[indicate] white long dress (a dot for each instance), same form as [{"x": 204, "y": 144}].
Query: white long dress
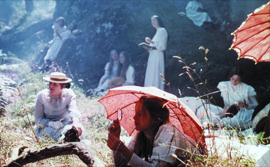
[
  {"x": 197, "y": 17},
  {"x": 155, "y": 65},
  {"x": 57, "y": 44},
  {"x": 205, "y": 112},
  {"x": 107, "y": 76}
]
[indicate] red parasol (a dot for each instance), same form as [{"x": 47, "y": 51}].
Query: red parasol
[
  {"x": 252, "y": 38},
  {"x": 120, "y": 104}
]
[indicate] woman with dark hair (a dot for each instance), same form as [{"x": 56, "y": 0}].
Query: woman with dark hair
[
  {"x": 110, "y": 72},
  {"x": 244, "y": 96},
  {"x": 156, "y": 139},
  {"x": 158, "y": 44},
  {"x": 125, "y": 72},
  {"x": 56, "y": 112}
]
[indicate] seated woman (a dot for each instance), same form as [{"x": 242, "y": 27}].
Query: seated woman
[
  {"x": 125, "y": 72},
  {"x": 197, "y": 14},
  {"x": 55, "y": 47},
  {"x": 155, "y": 141},
  {"x": 58, "y": 28},
  {"x": 244, "y": 96},
  {"x": 233, "y": 92},
  {"x": 110, "y": 72},
  {"x": 56, "y": 111}
]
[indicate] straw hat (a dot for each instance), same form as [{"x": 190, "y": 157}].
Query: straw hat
[{"x": 57, "y": 77}]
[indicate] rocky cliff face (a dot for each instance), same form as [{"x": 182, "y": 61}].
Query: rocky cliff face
[{"x": 122, "y": 25}]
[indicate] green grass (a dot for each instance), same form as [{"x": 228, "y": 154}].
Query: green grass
[{"x": 15, "y": 129}]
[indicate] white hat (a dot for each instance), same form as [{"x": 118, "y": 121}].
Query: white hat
[{"x": 57, "y": 77}]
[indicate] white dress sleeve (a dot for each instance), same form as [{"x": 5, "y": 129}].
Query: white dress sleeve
[
  {"x": 39, "y": 112},
  {"x": 223, "y": 87},
  {"x": 72, "y": 107},
  {"x": 107, "y": 73},
  {"x": 65, "y": 35},
  {"x": 160, "y": 41},
  {"x": 251, "y": 100},
  {"x": 130, "y": 76}
]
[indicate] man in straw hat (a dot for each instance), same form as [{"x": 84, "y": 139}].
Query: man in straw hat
[{"x": 56, "y": 112}]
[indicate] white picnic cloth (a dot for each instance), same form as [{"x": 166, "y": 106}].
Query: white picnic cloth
[{"x": 224, "y": 147}]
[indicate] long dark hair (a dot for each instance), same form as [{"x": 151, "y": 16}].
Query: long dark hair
[
  {"x": 160, "y": 22},
  {"x": 122, "y": 68},
  {"x": 111, "y": 61},
  {"x": 159, "y": 115},
  {"x": 236, "y": 70}
]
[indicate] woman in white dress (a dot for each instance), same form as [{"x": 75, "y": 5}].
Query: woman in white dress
[
  {"x": 125, "y": 72},
  {"x": 196, "y": 13},
  {"x": 155, "y": 65},
  {"x": 57, "y": 42},
  {"x": 110, "y": 72},
  {"x": 56, "y": 111},
  {"x": 235, "y": 92},
  {"x": 155, "y": 141}
]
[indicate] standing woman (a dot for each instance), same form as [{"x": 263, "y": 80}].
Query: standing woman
[
  {"x": 155, "y": 65},
  {"x": 110, "y": 72}
]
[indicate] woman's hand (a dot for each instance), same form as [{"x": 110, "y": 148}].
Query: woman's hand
[
  {"x": 117, "y": 145},
  {"x": 78, "y": 128},
  {"x": 113, "y": 142},
  {"x": 146, "y": 48},
  {"x": 242, "y": 104},
  {"x": 148, "y": 40},
  {"x": 223, "y": 113},
  {"x": 55, "y": 124},
  {"x": 76, "y": 124},
  {"x": 115, "y": 128}
]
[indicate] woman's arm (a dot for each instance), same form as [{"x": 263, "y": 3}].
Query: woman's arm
[
  {"x": 129, "y": 76},
  {"x": 65, "y": 35},
  {"x": 107, "y": 72},
  {"x": 74, "y": 112},
  {"x": 252, "y": 102},
  {"x": 161, "y": 40},
  {"x": 39, "y": 113}
]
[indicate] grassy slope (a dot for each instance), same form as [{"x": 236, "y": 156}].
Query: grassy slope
[{"x": 15, "y": 129}]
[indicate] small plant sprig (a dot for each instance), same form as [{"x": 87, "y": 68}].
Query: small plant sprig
[
  {"x": 25, "y": 109},
  {"x": 205, "y": 57},
  {"x": 188, "y": 72},
  {"x": 165, "y": 82}
]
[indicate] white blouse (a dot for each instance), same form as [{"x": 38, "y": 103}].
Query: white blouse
[
  {"x": 167, "y": 141},
  {"x": 130, "y": 76},
  {"x": 232, "y": 94}
]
